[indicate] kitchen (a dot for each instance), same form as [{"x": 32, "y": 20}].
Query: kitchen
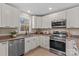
[{"x": 39, "y": 29}]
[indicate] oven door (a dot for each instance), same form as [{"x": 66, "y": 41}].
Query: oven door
[{"x": 57, "y": 45}]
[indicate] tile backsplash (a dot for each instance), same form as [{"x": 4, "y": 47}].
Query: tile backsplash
[
  {"x": 6, "y": 30},
  {"x": 72, "y": 31}
]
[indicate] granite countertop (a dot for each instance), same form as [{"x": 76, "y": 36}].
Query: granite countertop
[{"x": 22, "y": 36}]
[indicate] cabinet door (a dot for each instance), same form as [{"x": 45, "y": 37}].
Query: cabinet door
[
  {"x": 9, "y": 16},
  {"x": 3, "y": 48},
  {"x": 46, "y": 22},
  {"x": 5, "y": 15},
  {"x": 40, "y": 40},
  {"x": 0, "y": 16},
  {"x": 33, "y": 22},
  {"x": 27, "y": 45},
  {"x": 37, "y": 41},
  {"x": 15, "y": 17},
  {"x": 33, "y": 43},
  {"x": 45, "y": 42},
  {"x": 73, "y": 18},
  {"x": 37, "y": 22}
]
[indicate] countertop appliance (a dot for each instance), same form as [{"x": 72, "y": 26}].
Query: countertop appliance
[
  {"x": 58, "y": 42},
  {"x": 59, "y": 24},
  {"x": 16, "y": 47}
]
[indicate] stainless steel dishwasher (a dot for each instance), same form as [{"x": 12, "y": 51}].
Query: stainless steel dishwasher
[{"x": 16, "y": 47}]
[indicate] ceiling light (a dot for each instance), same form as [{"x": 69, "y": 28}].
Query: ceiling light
[
  {"x": 50, "y": 8},
  {"x": 28, "y": 11}
]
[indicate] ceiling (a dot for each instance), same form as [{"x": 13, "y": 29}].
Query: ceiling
[{"x": 43, "y": 8}]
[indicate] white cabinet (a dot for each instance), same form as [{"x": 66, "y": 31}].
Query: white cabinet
[
  {"x": 46, "y": 22},
  {"x": 10, "y": 16},
  {"x": 15, "y": 17},
  {"x": 36, "y": 22},
  {"x": 4, "y": 48},
  {"x": 27, "y": 45},
  {"x": 0, "y": 16},
  {"x": 30, "y": 43},
  {"x": 6, "y": 15},
  {"x": 59, "y": 16},
  {"x": 44, "y": 42},
  {"x": 39, "y": 22},
  {"x": 73, "y": 18},
  {"x": 33, "y": 42}
]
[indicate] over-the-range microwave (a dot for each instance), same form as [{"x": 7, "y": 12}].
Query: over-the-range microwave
[{"x": 58, "y": 24}]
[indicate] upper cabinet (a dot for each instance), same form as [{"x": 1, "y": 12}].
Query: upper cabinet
[
  {"x": 73, "y": 18},
  {"x": 48, "y": 19},
  {"x": 46, "y": 22},
  {"x": 0, "y": 16},
  {"x": 36, "y": 22},
  {"x": 58, "y": 16},
  {"x": 10, "y": 16}
]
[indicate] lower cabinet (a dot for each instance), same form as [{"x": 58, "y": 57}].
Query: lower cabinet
[
  {"x": 30, "y": 43},
  {"x": 20, "y": 46},
  {"x": 33, "y": 42},
  {"x": 44, "y": 42},
  {"x": 27, "y": 45},
  {"x": 4, "y": 48}
]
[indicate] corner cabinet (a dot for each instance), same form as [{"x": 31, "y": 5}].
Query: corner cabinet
[
  {"x": 73, "y": 18},
  {"x": 46, "y": 22},
  {"x": 30, "y": 43},
  {"x": 36, "y": 22},
  {"x": 44, "y": 42},
  {"x": 4, "y": 48}
]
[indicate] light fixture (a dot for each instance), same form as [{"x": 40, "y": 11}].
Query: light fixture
[
  {"x": 28, "y": 11},
  {"x": 50, "y": 8}
]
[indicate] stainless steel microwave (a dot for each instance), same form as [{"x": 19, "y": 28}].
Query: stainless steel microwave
[{"x": 61, "y": 24}]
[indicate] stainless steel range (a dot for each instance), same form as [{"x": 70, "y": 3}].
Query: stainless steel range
[{"x": 58, "y": 42}]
